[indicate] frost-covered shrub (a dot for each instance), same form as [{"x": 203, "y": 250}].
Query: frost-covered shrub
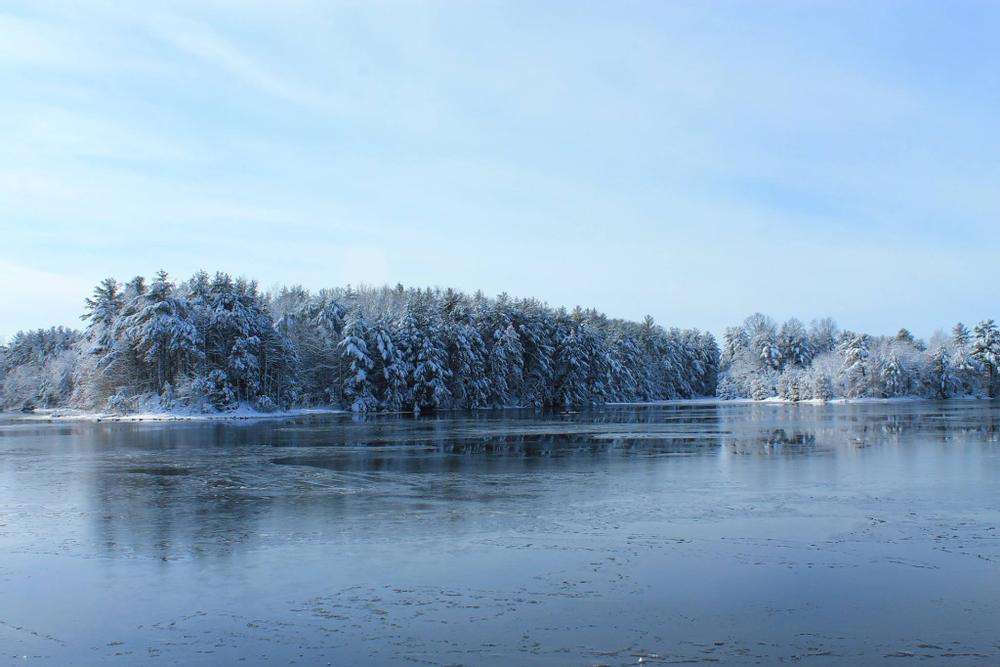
[
  {"x": 762, "y": 387},
  {"x": 822, "y": 387},
  {"x": 44, "y": 380},
  {"x": 728, "y": 388},
  {"x": 795, "y": 384},
  {"x": 188, "y": 393},
  {"x": 122, "y": 402},
  {"x": 168, "y": 397},
  {"x": 265, "y": 404},
  {"x": 787, "y": 386},
  {"x": 217, "y": 390}
]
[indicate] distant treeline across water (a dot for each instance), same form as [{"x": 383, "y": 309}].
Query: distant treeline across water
[{"x": 214, "y": 343}]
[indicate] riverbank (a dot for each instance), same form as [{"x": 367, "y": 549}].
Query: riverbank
[{"x": 242, "y": 413}]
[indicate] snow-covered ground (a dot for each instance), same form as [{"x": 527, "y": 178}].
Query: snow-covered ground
[
  {"x": 245, "y": 412},
  {"x": 777, "y": 400},
  {"x": 242, "y": 413}
]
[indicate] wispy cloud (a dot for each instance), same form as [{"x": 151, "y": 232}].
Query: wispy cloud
[
  {"x": 660, "y": 157},
  {"x": 213, "y": 49}
]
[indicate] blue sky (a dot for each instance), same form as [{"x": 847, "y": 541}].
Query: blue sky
[{"x": 697, "y": 161}]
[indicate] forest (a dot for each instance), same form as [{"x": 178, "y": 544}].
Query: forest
[{"x": 215, "y": 343}]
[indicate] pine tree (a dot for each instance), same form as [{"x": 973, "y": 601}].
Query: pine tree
[
  {"x": 426, "y": 357},
  {"x": 357, "y": 388},
  {"x": 571, "y": 370},
  {"x": 394, "y": 369},
  {"x": 855, "y": 352},
  {"x": 943, "y": 381},
  {"x": 709, "y": 354},
  {"x": 467, "y": 356},
  {"x": 986, "y": 350},
  {"x": 960, "y": 335},
  {"x": 622, "y": 361},
  {"x": 763, "y": 337},
  {"x": 893, "y": 376},
  {"x": 735, "y": 342},
  {"x": 506, "y": 359},
  {"x": 101, "y": 312},
  {"x": 793, "y": 345},
  {"x": 537, "y": 341},
  {"x": 161, "y": 332}
]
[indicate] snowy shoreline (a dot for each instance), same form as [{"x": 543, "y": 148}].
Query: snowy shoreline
[
  {"x": 777, "y": 400},
  {"x": 242, "y": 414},
  {"x": 249, "y": 414}
]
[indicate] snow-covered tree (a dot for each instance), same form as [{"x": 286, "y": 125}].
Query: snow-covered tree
[
  {"x": 358, "y": 390},
  {"x": 960, "y": 335},
  {"x": 571, "y": 368},
  {"x": 763, "y": 336},
  {"x": 855, "y": 352},
  {"x": 793, "y": 344},
  {"x": 506, "y": 366},
  {"x": 536, "y": 332},
  {"x": 427, "y": 357},
  {"x": 392, "y": 368},
  {"x": 822, "y": 336},
  {"x": 943, "y": 381},
  {"x": 893, "y": 376},
  {"x": 37, "y": 368},
  {"x": 214, "y": 341},
  {"x": 102, "y": 310},
  {"x": 162, "y": 333},
  {"x": 467, "y": 358},
  {"x": 986, "y": 350}
]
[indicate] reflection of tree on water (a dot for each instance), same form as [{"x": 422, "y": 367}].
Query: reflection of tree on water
[
  {"x": 804, "y": 429},
  {"x": 211, "y": 490},
  {"x": 774, "y": 442}
]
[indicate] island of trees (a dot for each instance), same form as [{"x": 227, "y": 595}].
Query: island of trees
[{"x": 215, "y": 343}]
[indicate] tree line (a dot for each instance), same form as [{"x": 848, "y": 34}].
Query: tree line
[{"x": 213, "y": 342}]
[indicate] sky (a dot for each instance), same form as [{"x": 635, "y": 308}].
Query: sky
[{"x": 696, "y": 161}]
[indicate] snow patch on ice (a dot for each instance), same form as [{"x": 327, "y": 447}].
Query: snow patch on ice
[{"x": 244, "y": 412}]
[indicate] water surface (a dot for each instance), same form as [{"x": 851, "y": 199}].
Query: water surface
[{"x": 697, "y": 532}]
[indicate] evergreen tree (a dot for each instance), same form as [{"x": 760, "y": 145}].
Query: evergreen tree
[
  {"x": 793, "y": 345},
  {"x": 506, "y": 359},
  {"x": 855, "y": 354},
  {"x": 162, "y": 334},
  {"x": 894, "y": 377},
  {"x": 943, "y": 381},
  {"x": 763, "y": 337},
  {"x": 960, "y": 335},
  {"x": 102, "y": 310},
  {"x": 427, "y": 358},
  {"x": 986, "y": 350},
  {"x": 469, "y": 386},
  {"x": 358, "y": 392},
  {"x": 393, "y": 367},
  {"x": 537, "y": 342},
  {"x": 571, "y": 369}
]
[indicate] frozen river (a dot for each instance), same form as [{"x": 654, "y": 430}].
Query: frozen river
[{"x": 728, "y": 533}]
